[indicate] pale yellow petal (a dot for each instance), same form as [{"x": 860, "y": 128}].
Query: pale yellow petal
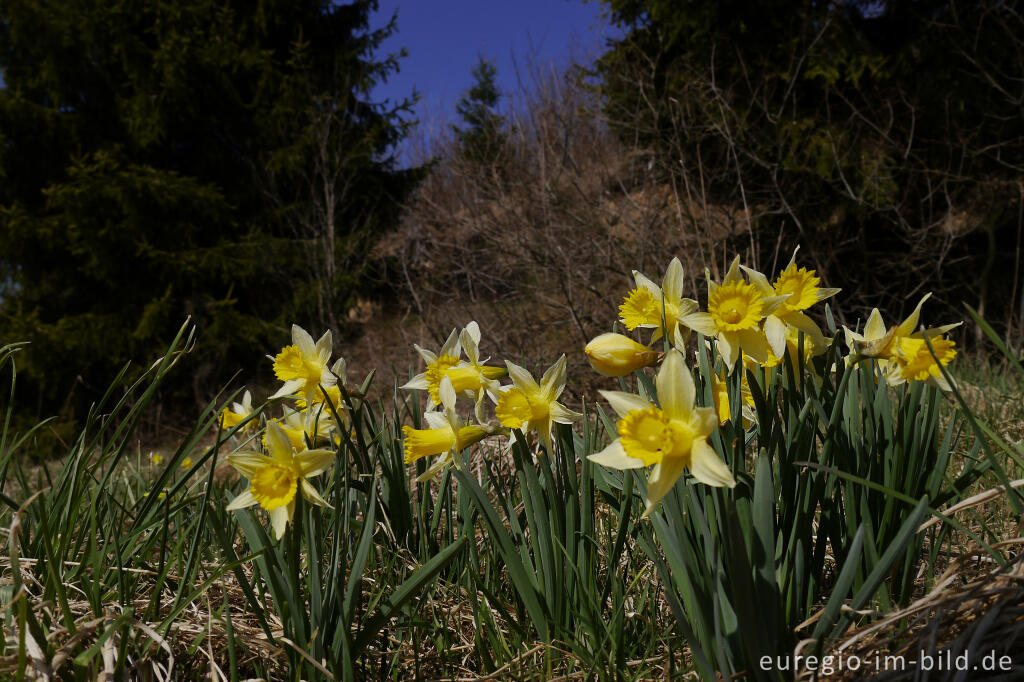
[
  {"x": 623, "y": 403},
  {"x": 278, "y": 445},
  {"x": 663, "y": 476},
  {"x": 241, "y": 501},
  {"x": 248, "y": 463},
  {"x": 673, "y": 283},
  {"x": 615, "y": 457},
  {"x": 279, "y": 518},
  {"x": 707, "y": 467},
  {"x": 675, "y": 387},
  {"x": 522, "y": 378},
  {"x": 875, "y": 326},
  {"x": 760, "y": 282},
  {"x": 909, "y": 325},
  {"x": 310, "y": 493},
  {"x": 314, "y": 462},
  {"x": 702, "y": 323},
  {"x": 553, "y": 382}
]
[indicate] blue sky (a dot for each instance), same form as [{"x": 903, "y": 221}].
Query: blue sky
[{"x": 445, "y": 38}]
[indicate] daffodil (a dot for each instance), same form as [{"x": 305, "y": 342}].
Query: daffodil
[
  {"x": 645, "y": 303},
  {"x": 446, "y": 436},
  {"x": 616, "y": 355},
  {"x": 902, "y": 353},
  {"x": 737, "y": 309},
  {"x": 237, "y": 413},
  {"x": 799, "y": 289},
  {"x": 529, "y": 405},
  {"x": 472, "y": 377},
  {"x": 672, "y": 437},
  {"x": 723, "y": 407},
  {"x": 275, "y": 478},
  {"x": 312, "y": 425},
  {"x": 302, "y": 366}
]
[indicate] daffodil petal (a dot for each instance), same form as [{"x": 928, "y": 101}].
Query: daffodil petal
[
  {"x": 289, "y": 387},
  {"x": 314, "y": 462},
  {"x": 278, "y": 444},
  {"x": 561, "y": 414},
  {"x": 643, "y": 281},
  {"x": 451, "y": 345},
  {"x": 675, "y": 386},
  {"x": 324, "y": 346},
  {"x": 826, "y": 292},
  {"x": 279, "y": 518},
  {"x": 302, "y": 339},
  {"x": 553, "y": 382},
  {"x": 447, "y": 393},
  {"x": 707, "y": 467},
  {"x": 615, "y": 457},
  {"x": 242, "y": 500},
  {"x": 775, "y": 333},
  {"x": 310, "y": 493},
  {"x": 418, "y": 383},
  {"x": 623, "y": 403},
  {"x": 874, "y": 328},
  {"x": 700, "y": 322},
  {"x": 521, "y": 378},
  {"x": 673, "y": 283},
  {"x": 663, "y": 476},
  {"x": 248, "y": 463},
  {"x": 429, "y": 356},
  {"x": 759, "y": 281},
  {"x": 907, "y": 326}
]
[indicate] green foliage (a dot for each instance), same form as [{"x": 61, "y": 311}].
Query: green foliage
[
  {"x": 155, "y": 157},
  {"x": 874, "y": 134},
  {"x": 481, "y": 137}
]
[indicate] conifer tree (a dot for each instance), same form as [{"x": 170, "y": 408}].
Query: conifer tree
[{"x": 151, "y": 156}]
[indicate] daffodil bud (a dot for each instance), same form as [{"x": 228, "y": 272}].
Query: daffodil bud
[{"x": 615, "y": 355}]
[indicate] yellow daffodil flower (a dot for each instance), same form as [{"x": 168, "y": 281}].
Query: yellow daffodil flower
[
  {"x": 643, "y": 307},
  {"x": 274, "y": 479},
  {"x": 302, "y": 366},
  {"x": 720, "y": 393},
  {"x": 471, "y": 377},
  {"x": 616, "y": 355},
  {"x": 237, "y": 413},
  {"x": 531, "y": 406},
  {"x": 186, "y": 463},
  {"x": 672, "y": 437},
  {"x": 312, "y": 425},
  {"x": 902, "y": 353},
  {"x": 446, "y": 436},
  {"x": 737, "y": 310},
  {"x": 799, "y": 287}
]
